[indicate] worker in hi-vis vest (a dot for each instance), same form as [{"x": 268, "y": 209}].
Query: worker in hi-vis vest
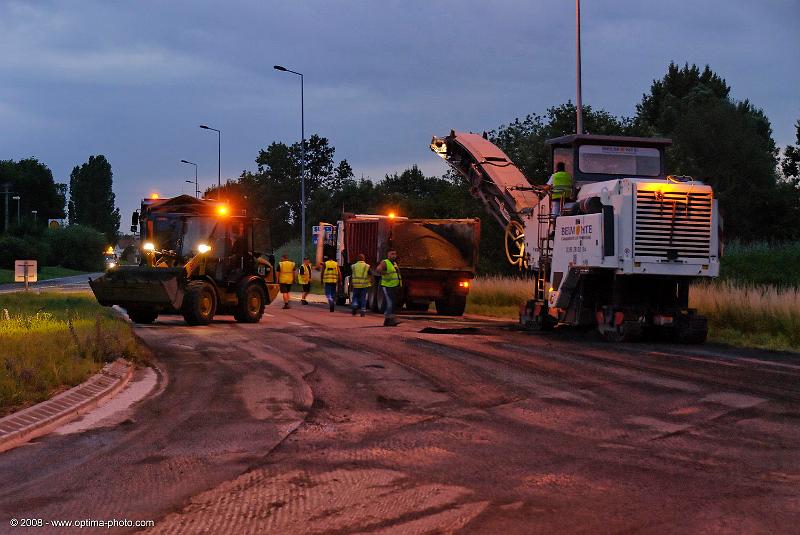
[
  {"x": 360, "y": 281},
  {"x": 561, "y": 188},
  {"x": 331, "y": 277},
  {"x": 391, "y": 281},
  {"x": 285, "y": 278},
  {"x": 304, "y": 279}
]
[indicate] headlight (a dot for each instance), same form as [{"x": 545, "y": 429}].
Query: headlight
[
  {"x": 203, "y": 248},
  {"x": 112, "y": 264},
  {"x": 149, "y": 246}
]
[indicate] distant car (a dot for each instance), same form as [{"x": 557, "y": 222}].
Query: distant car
[{"x": 110, "y": 261}]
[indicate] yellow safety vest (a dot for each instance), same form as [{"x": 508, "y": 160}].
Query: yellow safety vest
[
  {"x": 304, "y": 275},
  {"x": 286, "y": 272},
  {"x": 330, "y": 274},
  {"x": 360, "y": 277},
  {"x": 391, "y": 277},
  {"x": 562, "y": 185}
]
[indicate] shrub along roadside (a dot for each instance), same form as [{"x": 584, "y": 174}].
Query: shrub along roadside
[
  {"x": 75, "y": 247},
  {"x": 50, "y": 342}
]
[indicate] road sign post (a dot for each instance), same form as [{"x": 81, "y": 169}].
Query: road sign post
[{"x": 25, "y": 271}]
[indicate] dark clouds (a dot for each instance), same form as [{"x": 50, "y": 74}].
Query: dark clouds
[{"x": 133, "y": 80}]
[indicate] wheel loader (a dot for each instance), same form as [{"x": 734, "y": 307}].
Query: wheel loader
[{"x": 197, "y": 259}]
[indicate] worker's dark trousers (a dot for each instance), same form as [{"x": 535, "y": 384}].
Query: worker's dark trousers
[
  {"x": 359, "y": 298},
  {"x": 330, "y": 293},
  {"x": 391, "y": 298}
]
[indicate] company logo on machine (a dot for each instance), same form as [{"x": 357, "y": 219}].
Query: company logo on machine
[{"x": 576, "y": 231}]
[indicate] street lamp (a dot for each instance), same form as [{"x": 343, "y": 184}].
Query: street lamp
[
  {"x": 196, "y": 188},
  {"x": 35, "y": 217},
  {"x": 302, "y": 161},
  {"x": 16, "y": 198},
  {"x": 219, "y": 157}
]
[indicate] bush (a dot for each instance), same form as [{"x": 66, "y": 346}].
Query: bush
[
  {"x": 762, "y": 263},
  {"x": 25, "y": 248},
  {"x": 76, "y": 247}
]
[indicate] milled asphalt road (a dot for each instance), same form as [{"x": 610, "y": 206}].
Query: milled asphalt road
[{"x": 312, "y": 422}]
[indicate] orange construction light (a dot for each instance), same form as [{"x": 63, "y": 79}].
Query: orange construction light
[
  {"x": 464, "y": 284},
  {"x": 222, "y": 210},
  {"x": 154, "y": 195},
  {"x": 392, "y": 215}
]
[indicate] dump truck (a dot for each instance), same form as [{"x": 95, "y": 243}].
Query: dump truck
[
  {"x": 621, "y": 254},
  {"x": 197, "y": 259},
  {"x": 437, "y": 257}
]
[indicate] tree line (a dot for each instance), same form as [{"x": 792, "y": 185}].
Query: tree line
[{"x": 89, "y": 206}]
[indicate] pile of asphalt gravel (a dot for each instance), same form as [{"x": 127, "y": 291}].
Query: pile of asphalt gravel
[{"x": 419, "y": 247}]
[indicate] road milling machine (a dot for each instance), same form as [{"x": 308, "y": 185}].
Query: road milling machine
[
  {"x": 627, "y": 243},
  {"x": 196, "y": 259}
]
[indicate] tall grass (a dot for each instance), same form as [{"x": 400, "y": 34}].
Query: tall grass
[
  {"x": 750, "y": 315},
  {"x": 498, "y": 296},
  {"x": 50, "y": 342}
]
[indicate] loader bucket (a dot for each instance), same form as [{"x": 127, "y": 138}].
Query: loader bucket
[{"x": 135, "y": 285}]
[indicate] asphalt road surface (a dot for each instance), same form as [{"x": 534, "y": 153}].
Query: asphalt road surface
[{"x": 312, "y": 422}]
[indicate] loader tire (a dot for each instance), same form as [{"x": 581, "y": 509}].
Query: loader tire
[
  {"x": 142, "y": 316},
  {"x": 250, "y": 307},
  {"x": 692, "y": 330},
  {"x": 199, "y": 303}
]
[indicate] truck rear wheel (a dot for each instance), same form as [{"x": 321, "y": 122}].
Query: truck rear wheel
[
  {"x": 199, "y": 303},
  {"x": 451, "y": 306},
  {"x": 250, "y": 307},
  {"x": 418, "y": 306},
  {"x": 142, "y": 316}
]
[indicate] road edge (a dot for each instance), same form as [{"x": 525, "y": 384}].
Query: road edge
[{"x": 22, "y": 426}]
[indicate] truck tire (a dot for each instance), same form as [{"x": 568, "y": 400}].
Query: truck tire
[
  {"x": 418, "y": 307},
  {"x": 376, "y": 301},
  {"x": 251, "y": 303},
  {"x": 451, "y": 306},
  {"x": 692, "y": 329},
  {"x": 143, "y": 316},
  {"x": 199, "y": 303}
]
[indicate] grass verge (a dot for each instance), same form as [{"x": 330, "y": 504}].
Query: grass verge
[
  {"x": 45, "y": 273},
  {"x": 50, "y": 342},
  {"x": 499, "y": 297},
  {"x": 761, "y": 316},
  {"x": 758, "y": 316}
]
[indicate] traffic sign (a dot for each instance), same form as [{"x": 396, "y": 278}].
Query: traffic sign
[{"x": 25, "y": 271}]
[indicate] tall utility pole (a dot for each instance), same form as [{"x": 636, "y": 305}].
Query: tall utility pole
[
  {"x": 578, "y": 99},
  {"x": 302, "y": 161}
]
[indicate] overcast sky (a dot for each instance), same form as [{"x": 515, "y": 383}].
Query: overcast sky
[{"x": 133, "y": 80}]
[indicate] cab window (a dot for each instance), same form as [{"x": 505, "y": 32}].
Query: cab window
[{"x": 619, "y": 160}]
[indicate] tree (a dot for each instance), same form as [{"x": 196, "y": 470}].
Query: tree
[
  {"x": 724, "y": 143},
  {"x": 33, "y": 182},
  {"x": 91, "y": 198},
  {"x": 273, "y": 190},
  {"x": 790, "y": 162}
]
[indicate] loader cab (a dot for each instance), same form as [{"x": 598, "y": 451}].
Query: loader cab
[{"x": 592, "y": 158}]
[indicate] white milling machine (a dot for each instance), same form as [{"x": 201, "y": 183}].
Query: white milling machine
[{"x": 625, "y": 248}]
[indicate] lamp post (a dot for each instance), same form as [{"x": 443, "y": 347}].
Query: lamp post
[
  {"x": 302, "y": 161},
  {"x": 196, "y": 187},
  {"x": 16, "y": 198},
  {"x": 35, "y": 216},
  {"x": 578, "y": 97},
  {"x": 219, "y": 157}
]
